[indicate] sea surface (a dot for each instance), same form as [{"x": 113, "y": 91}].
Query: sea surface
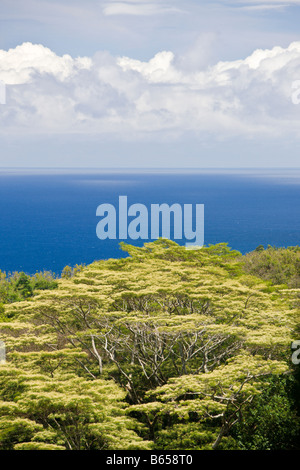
[{"x": 48, "y": 217}]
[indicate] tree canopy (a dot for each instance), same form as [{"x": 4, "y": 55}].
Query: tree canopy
[{"x": 167, "y": 348}]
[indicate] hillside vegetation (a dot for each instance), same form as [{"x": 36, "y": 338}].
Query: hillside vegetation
[{"x": 167, "y": 348}]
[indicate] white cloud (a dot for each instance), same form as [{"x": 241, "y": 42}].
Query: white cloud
[
  {"x": 264, "y": 7},
  {"x": 138, "y": 8},
  {"x": 159, "y": 69},
  {"x": 264, "y": 2},
  {"x": 129, "y": 98},
  {"x": 17, "y": 65},
  {"x": 261, "y": 5}
]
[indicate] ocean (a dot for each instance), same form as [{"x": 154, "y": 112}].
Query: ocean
[{"x": 48, "y": 217}]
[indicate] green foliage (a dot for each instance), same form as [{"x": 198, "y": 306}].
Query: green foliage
[
  {"x": 16, "y": 430},
  {"x": 43, "y": 281},
  {"x": 2, "y": 312},
  {"x": 23, "y": 285},
  {"x": 19, "y": 286},
  {"x": 271, "y": 421},
  {"x": 186, "y": 436},
  {"x": 68, "y": 272},
  {"x": 64, "y": 412},
  {"x": 279, "y": 265},
  {"x": 166, "y": 348}
]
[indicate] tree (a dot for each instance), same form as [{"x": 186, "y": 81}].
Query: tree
[
  {"x": 23, "y": 285},
  {"x": 62, "y": 411},
  {"x": 164, "y": 348}
]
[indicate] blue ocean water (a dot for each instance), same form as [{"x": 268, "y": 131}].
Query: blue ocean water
[{"x": 48, "y": 217}]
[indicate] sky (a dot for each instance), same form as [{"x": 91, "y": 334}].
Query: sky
[{"x": 150, "y": 83}]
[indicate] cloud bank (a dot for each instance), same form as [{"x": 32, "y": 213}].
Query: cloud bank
[{"x": 127, "y": 98}]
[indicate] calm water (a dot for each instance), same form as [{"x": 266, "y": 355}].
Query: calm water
[{"x": 48, "y": 218}]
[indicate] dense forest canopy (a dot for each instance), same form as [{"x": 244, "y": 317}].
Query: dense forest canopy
[{"x": 167, "y": 348}]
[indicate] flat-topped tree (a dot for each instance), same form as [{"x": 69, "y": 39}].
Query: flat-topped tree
[{"x": 187, "y": 336}]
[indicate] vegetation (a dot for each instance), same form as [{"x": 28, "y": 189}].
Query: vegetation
[
  {"x": 19, "y": 286},
  {"x": 279, "y": 265},
  {"x": 167, "y": 348}
]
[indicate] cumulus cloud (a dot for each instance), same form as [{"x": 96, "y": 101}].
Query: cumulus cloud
[
  {"x": 19, "y": 64},
  {"x": 124, "y": 97}
]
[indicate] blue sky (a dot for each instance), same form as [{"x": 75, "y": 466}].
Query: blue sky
[
  {"x": 141, "y": 28},
  {"x": 149, "y": 83}
]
